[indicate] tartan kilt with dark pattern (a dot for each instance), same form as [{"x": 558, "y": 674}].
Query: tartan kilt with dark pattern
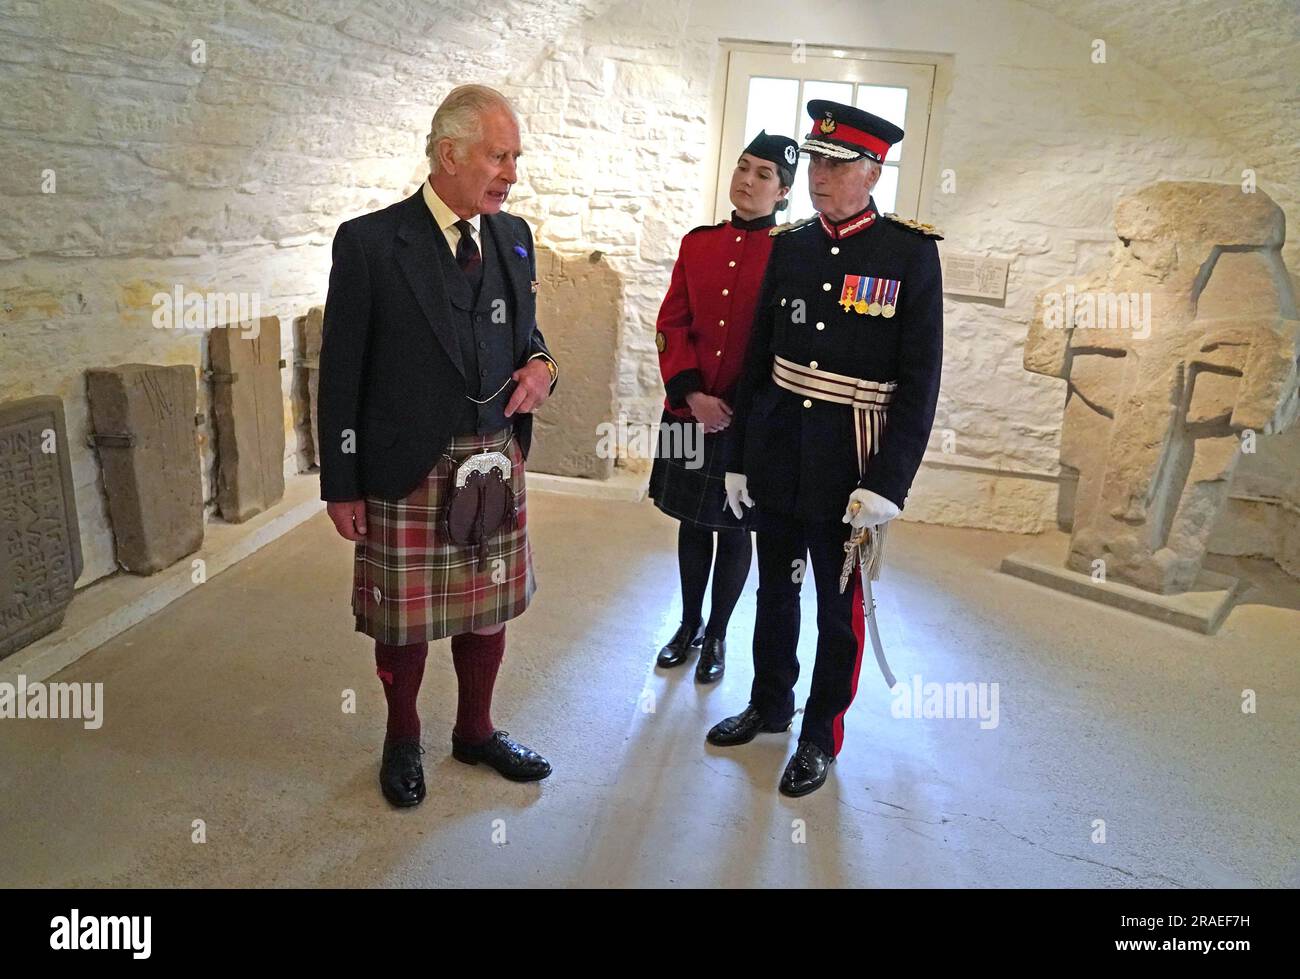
[
  {"x": 696, "y": 496},
  {"x": 411, "y": 584}
]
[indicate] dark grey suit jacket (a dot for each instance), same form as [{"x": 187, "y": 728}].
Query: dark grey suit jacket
[{"x": 391, "y": 372}]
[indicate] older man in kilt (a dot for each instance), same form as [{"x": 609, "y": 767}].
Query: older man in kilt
[{"x": 431, "y": 367}]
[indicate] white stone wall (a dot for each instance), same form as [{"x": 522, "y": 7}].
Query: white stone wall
[
  {"x": 228, "y": 175},
  {"x": 1042, "y": 142},
  {"x": 233, "y": 174}
]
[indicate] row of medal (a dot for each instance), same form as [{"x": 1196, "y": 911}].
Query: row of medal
[{"x": 870, "y": 295}]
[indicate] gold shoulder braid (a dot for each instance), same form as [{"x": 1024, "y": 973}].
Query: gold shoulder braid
[
  {"x": 929, "y": 230},
  {"x": 782, "y": 228}
]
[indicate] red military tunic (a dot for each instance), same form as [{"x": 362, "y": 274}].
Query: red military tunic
[{"x": 706, "y": 316}]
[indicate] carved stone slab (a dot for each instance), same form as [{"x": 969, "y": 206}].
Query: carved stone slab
[
  {"x": 578, "y": 310},
  {"x": 308, "y": 331},
  {"x": 248, "y": 407},
  {"x": 143, "y": 418},
  {"x": 40, "y": 545},
  {"x": 1180, "y": 353}
]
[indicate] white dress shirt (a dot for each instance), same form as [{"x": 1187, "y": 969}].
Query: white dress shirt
[{"x": 447, "y": 219}]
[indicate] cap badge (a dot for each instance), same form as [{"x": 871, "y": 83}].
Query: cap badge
[{"x": 827, "y": 125}]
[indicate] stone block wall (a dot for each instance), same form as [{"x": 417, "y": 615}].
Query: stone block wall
[{"x": 216, "y": 145}]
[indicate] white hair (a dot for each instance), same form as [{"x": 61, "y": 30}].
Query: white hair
[{"x": 460, "y": 119}]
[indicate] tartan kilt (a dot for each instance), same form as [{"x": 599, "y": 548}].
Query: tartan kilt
[
  {"x": 411, "y": 584},
  {"x": 696, "y": 496}
]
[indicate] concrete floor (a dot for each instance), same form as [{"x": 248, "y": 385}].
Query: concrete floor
[{"x": 226, "y": 707}]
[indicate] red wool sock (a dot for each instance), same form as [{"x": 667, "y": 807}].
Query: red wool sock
[
  {"x": 401, "y": 668},
  {"x": 477, "y": 659}
]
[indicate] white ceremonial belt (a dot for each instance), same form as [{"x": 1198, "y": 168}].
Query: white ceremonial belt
[
  {"x": 869, "y": 400},
  {"x": 865, "y": 549},
  {"x": 828, "y": 386}
]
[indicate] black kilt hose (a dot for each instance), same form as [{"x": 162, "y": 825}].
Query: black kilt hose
[{"x": 688, "y": 477}]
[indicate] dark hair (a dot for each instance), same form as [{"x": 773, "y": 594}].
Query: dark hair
[
  {"x": 784, "y": 174},
  {"x": 782, "y": 204}
]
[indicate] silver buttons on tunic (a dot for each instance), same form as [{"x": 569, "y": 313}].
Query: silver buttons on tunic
[
  {"x": 821, "y": 326},
  {"x": 835, "y": 249},
  {"x": 813, "y": 365},
  {"x": 826, "y": 287},
  {"x": 807, "y": 403}
]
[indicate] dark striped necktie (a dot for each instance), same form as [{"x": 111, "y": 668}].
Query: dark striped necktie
[{"x": 467, "y": 254}]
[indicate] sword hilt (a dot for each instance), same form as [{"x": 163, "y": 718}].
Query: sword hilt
[{"x": 859, "y": 534}]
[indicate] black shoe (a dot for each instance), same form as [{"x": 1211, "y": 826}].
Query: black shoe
[
  {"x": 679, "y": 646},
  {"x": 713, "y": 661},
  {"x": 512, "y": 759},
  {"x": 806, "y": 770},
  {"x": 401, "y": 776},
  {"x": 742, "y": 728}
]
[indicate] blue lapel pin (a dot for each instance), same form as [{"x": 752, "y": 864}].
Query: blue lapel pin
[{"x": 519, "y": 250}]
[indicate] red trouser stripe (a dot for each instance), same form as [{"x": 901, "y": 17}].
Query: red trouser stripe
[{"x": 860, "y": 634}]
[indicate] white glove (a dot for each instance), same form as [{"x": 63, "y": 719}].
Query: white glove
[
  {"x": 875, "y": 509},
  {"x": 737, "y": 493}
]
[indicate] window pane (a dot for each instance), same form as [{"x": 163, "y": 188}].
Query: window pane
[
  {"x": 800, "y": 203},
  {"x": 888, "y": 103},
  {"x": 773, "y": 105},
  {"x": 835, "y": 91},
  {"x": 886, "y": 192}
]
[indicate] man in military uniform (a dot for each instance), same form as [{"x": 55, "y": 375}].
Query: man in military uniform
[{"x": 832, "y": 415}]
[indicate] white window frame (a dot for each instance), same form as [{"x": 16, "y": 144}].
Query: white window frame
[{"x": 925, "y": 76}]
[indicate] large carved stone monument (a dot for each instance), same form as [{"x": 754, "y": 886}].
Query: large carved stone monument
[
  {"x": 143, "y": 416},
  {"x": 1180, "y": 355},
  {"x": 40, "y": 545},
  {"x": 248, "y": 407}
]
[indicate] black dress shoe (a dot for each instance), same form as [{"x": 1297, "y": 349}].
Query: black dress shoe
[
  {"x": 806, "y": 770},
  {"x": 401, "y": 776},
  {"x": 713, "y": 661},
  {"x": 743, "y": 728},
  {"x": 512, "y": 759},
  {"x": 679, "y": 646}
]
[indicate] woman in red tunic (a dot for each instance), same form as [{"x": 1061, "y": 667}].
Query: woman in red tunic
[{"x": 703, "y": 329}]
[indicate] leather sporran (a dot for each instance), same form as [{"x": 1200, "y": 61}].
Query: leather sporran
[{"x": 480, "y": 501}]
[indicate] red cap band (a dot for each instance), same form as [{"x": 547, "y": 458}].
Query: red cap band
[{"x": 847, "y": 134}]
